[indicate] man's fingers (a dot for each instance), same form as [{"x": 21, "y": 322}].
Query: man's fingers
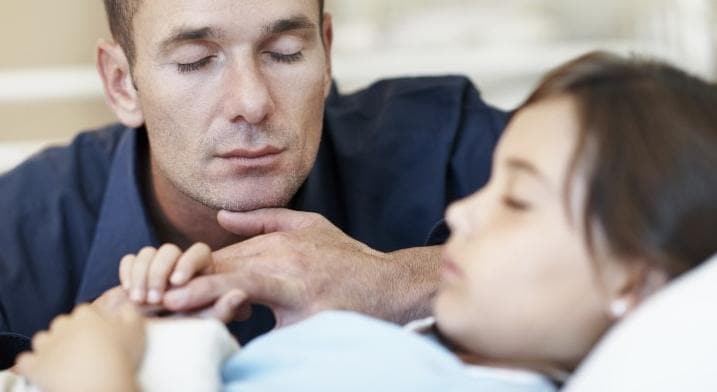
[
  {"x": 226, "y": 259},
  {"x": 260, "y": 288},
  {"x": 244, "y": 312},
  {"x": 159, "y": 269},
  {"x": 196, "y": 259},
  {"x": 264, "y": 221},
  {"x": 199, "y": 293},
  {"x": 140, "y": 267},
  {"x": 226, "y": 308}
]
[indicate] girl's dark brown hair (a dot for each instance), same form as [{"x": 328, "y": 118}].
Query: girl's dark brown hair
[{"x": 648, "y": 145}]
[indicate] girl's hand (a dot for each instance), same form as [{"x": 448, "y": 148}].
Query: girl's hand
[{"x": 88, "y": 350}]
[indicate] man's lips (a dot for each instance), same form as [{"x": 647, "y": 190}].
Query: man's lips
[
  {"x": 243, "y": 159},
  {"x": 246, "y": 153}
]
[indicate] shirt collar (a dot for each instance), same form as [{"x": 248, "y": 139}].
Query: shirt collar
[{"x": 123, "y": 226}]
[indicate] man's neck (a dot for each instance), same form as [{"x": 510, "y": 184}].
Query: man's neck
[{"x": 179, "y": 219}]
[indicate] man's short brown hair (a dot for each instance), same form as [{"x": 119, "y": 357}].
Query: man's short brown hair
[{"x": 120, "y": 14}]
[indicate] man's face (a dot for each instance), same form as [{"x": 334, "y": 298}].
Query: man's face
[{"x": 232, "y": 94}]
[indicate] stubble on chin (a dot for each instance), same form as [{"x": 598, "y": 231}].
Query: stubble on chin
[{"x": 220, "y": 198}]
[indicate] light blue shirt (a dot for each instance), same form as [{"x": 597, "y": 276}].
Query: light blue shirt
[{"x": 343, "y": 351}]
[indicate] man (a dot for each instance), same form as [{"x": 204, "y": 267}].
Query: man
[{"x": 222, "y": 106}]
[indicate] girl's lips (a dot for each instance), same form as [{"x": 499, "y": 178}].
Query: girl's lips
[{"x": 449, "y": 269}]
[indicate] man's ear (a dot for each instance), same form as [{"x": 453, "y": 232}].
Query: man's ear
[
  {"x": 640, "y": 281},
  {"x": 327, "y": 35},
  {"x": 120, "y": 92}
]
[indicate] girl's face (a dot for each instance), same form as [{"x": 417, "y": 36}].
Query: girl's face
[{"x": 519, "y": 283}]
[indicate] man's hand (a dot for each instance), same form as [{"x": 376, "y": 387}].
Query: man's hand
[
  {"x": 88, "y": 350},
  {"x": 299, "y": 263}
]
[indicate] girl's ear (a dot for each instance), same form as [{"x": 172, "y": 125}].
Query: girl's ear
[{"x": 637, "y": 281}]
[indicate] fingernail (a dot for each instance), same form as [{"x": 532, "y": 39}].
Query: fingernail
[
  {"x": 177, "y": 278},
  {"x": 137, "y": 295},
  {"x": 154, "y": 297}
]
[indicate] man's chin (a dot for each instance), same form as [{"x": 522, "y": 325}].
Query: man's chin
[
  {"x": 243, "y": 205},
  {"x": 244, "y": 194},
  {"x": 247, "y": 201}
]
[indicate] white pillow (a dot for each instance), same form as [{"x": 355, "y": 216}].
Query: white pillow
[{"x": 668, "y": 344}]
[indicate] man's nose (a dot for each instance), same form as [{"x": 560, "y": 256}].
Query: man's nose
[{"x": 247, "y": 96}]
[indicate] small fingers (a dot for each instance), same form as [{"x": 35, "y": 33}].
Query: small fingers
[
  {"x": 138, "y": 275},
  {"x": 196, "y": 259},
  {"x": 125, "y": 271},
  {"x": 161, "y": 266},
  {"x": 40, "y": 340},
  {"x": 146, "y": 277},
  {"x": 83, "y": 311},
  {"x": 24, "y": 364},
  {"x": 111, "y": 300},
  {"x": 59, "y": 323}
]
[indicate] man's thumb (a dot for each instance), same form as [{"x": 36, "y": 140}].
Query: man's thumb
[{"x": 265, "y": 221}]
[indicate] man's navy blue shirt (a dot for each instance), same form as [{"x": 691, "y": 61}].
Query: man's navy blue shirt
[{"x": 391, "y": 159}]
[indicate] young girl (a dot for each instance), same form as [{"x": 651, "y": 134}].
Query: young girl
[{"x": 603, "y": 190}]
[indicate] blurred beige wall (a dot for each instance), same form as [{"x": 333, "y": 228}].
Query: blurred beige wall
[
  {"x": 45, "y": 33},
  {"x": 38, "y": 37},
  {"x": 49, "y": 89}
]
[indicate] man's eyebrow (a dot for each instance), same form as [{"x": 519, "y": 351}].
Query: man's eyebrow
[
  {"x": 294, "y": 23},
  {"x": 184, "y": 34},
  {"x": 522, "y": 165}
]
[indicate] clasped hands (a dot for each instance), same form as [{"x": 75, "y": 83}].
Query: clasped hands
[{"x": 296, "y": 263}]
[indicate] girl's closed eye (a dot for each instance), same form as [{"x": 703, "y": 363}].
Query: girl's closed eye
[{"x": 515, "y": 203}]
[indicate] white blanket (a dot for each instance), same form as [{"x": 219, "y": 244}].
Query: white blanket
[{"x": 181, "y": 355}]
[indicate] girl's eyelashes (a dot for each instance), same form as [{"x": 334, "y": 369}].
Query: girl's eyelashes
[{"x": 515, "y": 203}]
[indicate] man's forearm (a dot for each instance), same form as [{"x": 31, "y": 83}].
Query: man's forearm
[{"x": 416, "y": 280}]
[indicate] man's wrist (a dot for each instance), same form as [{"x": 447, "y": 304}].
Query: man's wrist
[{"x": 416, "y": 276}]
